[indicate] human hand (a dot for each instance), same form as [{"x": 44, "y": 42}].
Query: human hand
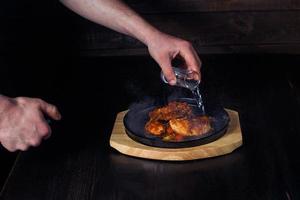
[
  {"x": 164, "y": 48},
  {"x": 22, "y": 122}
]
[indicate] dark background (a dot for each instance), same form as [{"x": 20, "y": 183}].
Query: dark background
[
  {"x": 49, "y": 52},
  {"x": 35, "y": 43}
]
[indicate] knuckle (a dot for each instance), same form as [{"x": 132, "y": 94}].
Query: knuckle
[
  {"x": 21, "y": 99},
  {"x": 45, "y": 134},
  {"x": 35, "y": 142},
  {"x": 186, "y": 44},
  {"x": 23, "y": 148},
  {"x": 44, "y": 130},
  {"x": 38, "y": 101},
  {"x": 8, "y": 147},
  {"x": 11, "y": 149},
  {"x": 53, "y": 108}
]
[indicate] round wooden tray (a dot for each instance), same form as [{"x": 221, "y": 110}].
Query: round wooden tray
[{"x": 230, "y": 141}]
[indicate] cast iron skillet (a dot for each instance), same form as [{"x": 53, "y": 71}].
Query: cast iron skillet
[{"x": 135, "y": 120}]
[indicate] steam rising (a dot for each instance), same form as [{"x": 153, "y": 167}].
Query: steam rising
[{"x": 167, "y": 95}]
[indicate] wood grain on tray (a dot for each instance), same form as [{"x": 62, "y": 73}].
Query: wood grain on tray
[{"x": 224, "y": 145}]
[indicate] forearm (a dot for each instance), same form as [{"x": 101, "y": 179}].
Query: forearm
[
  {"x": 4, "y": 101},
  {"x": 115, "y": 15}
]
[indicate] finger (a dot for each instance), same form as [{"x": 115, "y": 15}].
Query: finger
[
  {"x": 22, "y": 147},
  {"x": 17, "y": 141},
  {"x": 9, "y": 146},
  {"x": 50, "y": 110},
  {"x": 198, "y": 61},
  {"x": 166, "y": 66},
  {"x": 48, "y": 136},
  {"x": 191, "y": 58},
  {"x": 43, "y": 129},
  {"x": 34, "y": 142},
  {"x": 199, "y": 65}
]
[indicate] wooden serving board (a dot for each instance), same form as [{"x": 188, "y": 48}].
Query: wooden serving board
[{"x": 230, "y": 141}]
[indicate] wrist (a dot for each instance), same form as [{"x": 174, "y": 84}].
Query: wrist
[
  {"x": 145, "y": 33},
  {"x": 5, "y": 102},
  {"x": 151, "y": 36}
]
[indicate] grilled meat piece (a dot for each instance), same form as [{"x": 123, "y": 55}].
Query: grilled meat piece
[
  {"x": 155, "y": 128},
  {"x": 191, "y": 126},
  {"x": 176, "y": 121},
  {"x": 171, "y": 111}
]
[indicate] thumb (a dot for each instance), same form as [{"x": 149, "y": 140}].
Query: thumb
[
  {"x": 166, "y": 66},
  {"x": 50, "y": 110}
]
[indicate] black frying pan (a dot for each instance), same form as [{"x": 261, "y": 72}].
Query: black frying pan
[{"x": 135, "y": 120}]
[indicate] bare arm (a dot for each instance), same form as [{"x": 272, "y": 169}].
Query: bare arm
[
  {"x": 117, "y": 16},
  {"x": 113, "y": 14}
]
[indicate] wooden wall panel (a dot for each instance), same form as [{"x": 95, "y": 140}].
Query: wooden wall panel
[
  {"x": 222, "y": 32},
  {"x": 213, "y": 26},
  {"x": 161, "y": 6}
]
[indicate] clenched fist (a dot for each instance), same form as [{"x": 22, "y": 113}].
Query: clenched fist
[{"x": 22, "y": 122}]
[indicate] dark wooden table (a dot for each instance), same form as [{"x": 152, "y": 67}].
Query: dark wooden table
[{"x": 77, "y": 162}]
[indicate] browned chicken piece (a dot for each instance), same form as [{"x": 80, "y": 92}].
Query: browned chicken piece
[
  {"x": 191, "y": 127},
  {"x": 169, "y": 130},
  {"x": 155, "y": 128},
  {"x": 180, "y": 126},
  {"x": 171, "y": 111},
  {"x": 176, "y": 121}
]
